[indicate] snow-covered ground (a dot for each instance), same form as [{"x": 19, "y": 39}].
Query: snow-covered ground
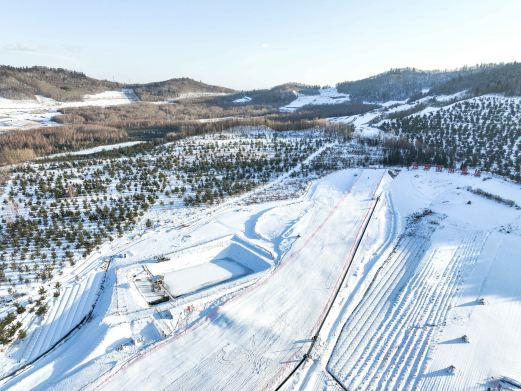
[
  {"x": 244, "y": 99},
  {"x": 326, "y": 96},
  {"x": 68, "y": 310},
  {"x": 361, "y": 123},
  {"x": 219, "y": 261},
  {"x": 367, "y": 124},
  {"x": 448, "y": 98},
  {"x": 29, "y": 113},
  {"x": 101, "y": 148},
  {"x": 255, "y": 338},
  {"x": 430, "y": 301},
  {"x": 433, "y": 299},
  {"x": 275, "y": 314}
]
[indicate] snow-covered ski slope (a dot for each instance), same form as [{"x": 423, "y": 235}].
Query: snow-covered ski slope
[
  {"x": 435, "y": 308},
  {"x": 385, "y": 341},
  {"x": 254, "y": 340}
]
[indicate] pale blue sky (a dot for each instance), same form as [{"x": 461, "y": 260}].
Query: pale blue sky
[{"x": 246, "y": 44}]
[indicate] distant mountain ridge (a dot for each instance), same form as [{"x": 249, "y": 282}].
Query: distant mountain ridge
[
  {"x": 65, "y": 85},
  {"x": 395, "y": 84}
]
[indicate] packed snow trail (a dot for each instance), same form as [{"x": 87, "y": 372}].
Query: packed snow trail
[
  {"x": 256, "y": 339},
  {"x": 384, "y": 343}
]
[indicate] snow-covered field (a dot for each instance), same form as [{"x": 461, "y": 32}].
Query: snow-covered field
[
  {"x": 430, "y": 301},
  {"x": 15, "y": 114},
  {"x": 326, "y": 96},
  {"x": 361, "y": 123},
  {"x": 194, "y": 269}
]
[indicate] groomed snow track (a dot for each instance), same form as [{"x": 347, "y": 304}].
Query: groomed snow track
[
  {"x": 327, "y": 310},
  {"x": 386, "y": 339}
]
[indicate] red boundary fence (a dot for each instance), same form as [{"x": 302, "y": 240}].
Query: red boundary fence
[{"x": 463, "y": 170}]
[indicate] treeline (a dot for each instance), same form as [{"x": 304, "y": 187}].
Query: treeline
[
  {"x": 145, "y": 115},
  {"x": 488, "y": 79},
  {"x": 402, "y": 152},
  {"x": 65, "y": 85},
  {"x": 481, "y": 132},
  {"x": 116, "y": 153},
  {"x": 274, "y": 97},
  {"x": 396, "y": 84},
  {"x": 174, "y": 88},
  {"x": 404, "y": 113},
  {"x": 188, "y": 129},
  {"x": 109, "y": 125},
  {"x": 17, "y": 146},
  {"x": 401, "y": 84},
  {"x": 336, "y": 110}
]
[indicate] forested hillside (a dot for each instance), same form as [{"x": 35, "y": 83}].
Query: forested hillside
[
  {"x": 482, "y": 132},
  {"x": 55, "y": 83},
  {"x": 396, "y": 84},
  {"x": 491, "y": 79},
  {"x": 276, "y": 96},
  {"x": 402, "y": 84},
  {"x": 64, "y": 85},
  {"x": 174, "y": 88}
]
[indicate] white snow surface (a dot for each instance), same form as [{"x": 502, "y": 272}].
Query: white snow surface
[
  {"x": 271, "y": 322},
  {"x": 270, "y": 319},
  {"x": 67, "y": 311},
  {"x": 326, "y": 96},
  {"x": 410, "y": 296},
  {"x": 448, "y": 98},
  {"x": 244, "y": 99},
  {"x": 361, "y": 123},
  {"x": 194, "y": 278},
  {"x": 29, "y": 113},
  {"x": 217, "y": 261},
  {"x": 101, "y": 148},
  {"x": 414, "y": 293}
]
